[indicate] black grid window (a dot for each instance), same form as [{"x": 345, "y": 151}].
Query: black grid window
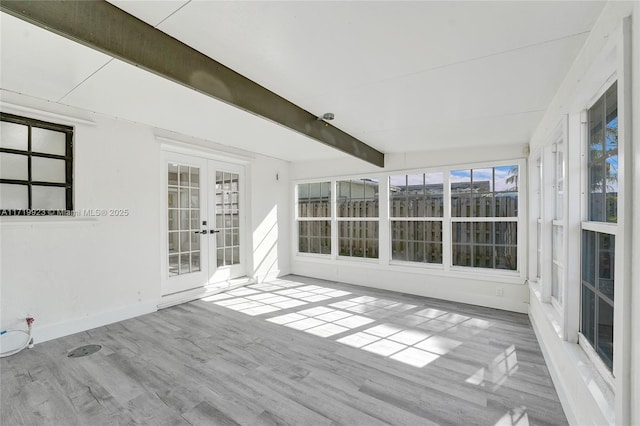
[{"x": 36, "y": 166}]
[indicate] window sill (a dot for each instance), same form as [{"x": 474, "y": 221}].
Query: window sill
[{"x": 426, "y": 269}]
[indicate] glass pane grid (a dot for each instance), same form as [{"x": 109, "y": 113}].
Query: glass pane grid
[
  {"x": 26, "y": 146},
  {"x": 597, "y": 303},
  {"x": 602, "y": 168},
  {"x": 183, "y": 217},
  {"x": 227, "y": 193}
]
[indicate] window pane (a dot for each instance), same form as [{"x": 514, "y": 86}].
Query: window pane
[
  {"x": 506, "y": 179},
  {"x": 195, "y": 177},
  {"x": 483, "y": 256},
  {"x": 48, "y": 170},
  {"x": 433, "y": 252},
  {"x": 398, "y": 240},
  {"x": 48, "y": 197},
  {"x": 313, "y": 236},
  {"x": 603, "y": 158},
  {"x": 506, "y": 233},
  {"x": 173, "y": 242},
  {"x": 13, "y": 135},
  {"x": 604, "y": 346},
  {"x": 506, "y": 204},
  {"x": 588, "y": 314},
  {"x": 461, "y": 255},
  {"x": 172, "y": 174},
  {"x": 172, "y": 197},
  {"x": 507, "y": 258},
  {"x": 314, "y": 200},
  {"x": 588, "y": 257},
  {"x": 460, "y": 181},
  {"x": 195, "y": 261},
  {"x": 185, "y": 264},
  {"x": 482, "y": 181},
  {"x": 462, "y": 232},
  {"x": 183, "y": 175},
  {"x": 14, "y": 166},
  {"x": 173, "y": 265},
  {"x": 598, "y": 286},
  {"x": 358, "y": 198},
  {"x": 14, "y": 197},
  {"x": 606, "y": 262},
  {"x": 483, "y": 205},
  {"x": 48, "y": 141}
]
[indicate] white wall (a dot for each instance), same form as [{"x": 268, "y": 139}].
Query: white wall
[
  {"x": 477, "y": 288},
  {"x": 586, "y": 397},
  {"x": 271, "y": 221},
  {"x": 69, "y": 273},
  {"x": 74, "y": 274}
]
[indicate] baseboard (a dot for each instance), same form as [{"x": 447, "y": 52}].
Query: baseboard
[
  {"x": 199, "y": 293},
  {"x": 271, "y": 275},
  {"x": 65, "y": 328}
]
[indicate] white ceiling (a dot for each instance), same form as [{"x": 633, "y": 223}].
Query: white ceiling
[{"x": 400, "y": 76}]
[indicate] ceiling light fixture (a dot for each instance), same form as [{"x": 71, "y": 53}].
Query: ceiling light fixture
[{"x": 326, "y": 116}]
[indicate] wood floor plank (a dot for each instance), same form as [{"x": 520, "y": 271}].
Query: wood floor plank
[{"x": 293, "y": 351}]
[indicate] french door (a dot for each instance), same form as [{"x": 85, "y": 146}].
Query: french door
[{"x": 203, "y": 222}]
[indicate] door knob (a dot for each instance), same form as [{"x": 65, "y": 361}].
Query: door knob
[
  {"x": 204, "y": 231},
  {"x": 214, "y": 231}
]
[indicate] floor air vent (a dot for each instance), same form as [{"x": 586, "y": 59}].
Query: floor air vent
[{"x": 84, "y": 351}]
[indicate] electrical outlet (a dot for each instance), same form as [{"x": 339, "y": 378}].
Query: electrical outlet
[{"x": 499, "y": 291}]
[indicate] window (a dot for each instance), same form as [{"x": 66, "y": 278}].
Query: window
[
  {"x": 314, "y": 217},
  {"x": 557, "y": 228},
  {"x": 358, "y": 208},
  {"x": 602, "y": 167},
  {"x": 36, "y": 169},
  {"x": 417, "y": 206},
  {"x": 538, "y": 184},
  {"x": 484, "y": 217},
  {"x": 598, "y": 235}
]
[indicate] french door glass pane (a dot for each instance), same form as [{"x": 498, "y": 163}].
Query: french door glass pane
[
  {"x": 227, "y": 218},
  {"x": 183, "y": 216}
]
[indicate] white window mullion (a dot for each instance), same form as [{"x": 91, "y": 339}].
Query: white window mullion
[{"x": 446, "y": 224}]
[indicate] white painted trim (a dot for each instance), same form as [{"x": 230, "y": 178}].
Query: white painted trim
[
  {"x": 218, "y": 153},
  {"x": 199, "y": 293},
  {"x": 585, "y": 397},
  {"x": 66, "y": 328},
  {"x": 44, "y": 115}
]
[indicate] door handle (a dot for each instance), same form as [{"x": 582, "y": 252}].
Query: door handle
[
  {"x": 204, "y": 231},
  {"x": 214, "y": 231}
]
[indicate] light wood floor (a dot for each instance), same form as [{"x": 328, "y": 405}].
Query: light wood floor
[{"x": 295, "y": 351}]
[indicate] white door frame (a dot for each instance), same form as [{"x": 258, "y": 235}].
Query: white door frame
[{"x": 232, "y": 163}]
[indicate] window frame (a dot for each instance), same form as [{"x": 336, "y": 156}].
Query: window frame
[
  {"x": 521, "y": 253},
  {"x": 29, "y": 182},
  {"x": 298, "y": 219},
  {"x": 384, "y": 260},
  {"x": 611, "y": 228},
  {"x": 339, "y": 219},
  {"x": 424, "y": 219}
]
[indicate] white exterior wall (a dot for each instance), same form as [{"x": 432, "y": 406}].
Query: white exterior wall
[
  {"x": 585, "y": 395},
  {"x": 74, "y": 274},
  {"x": 479, "y": 288}
]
